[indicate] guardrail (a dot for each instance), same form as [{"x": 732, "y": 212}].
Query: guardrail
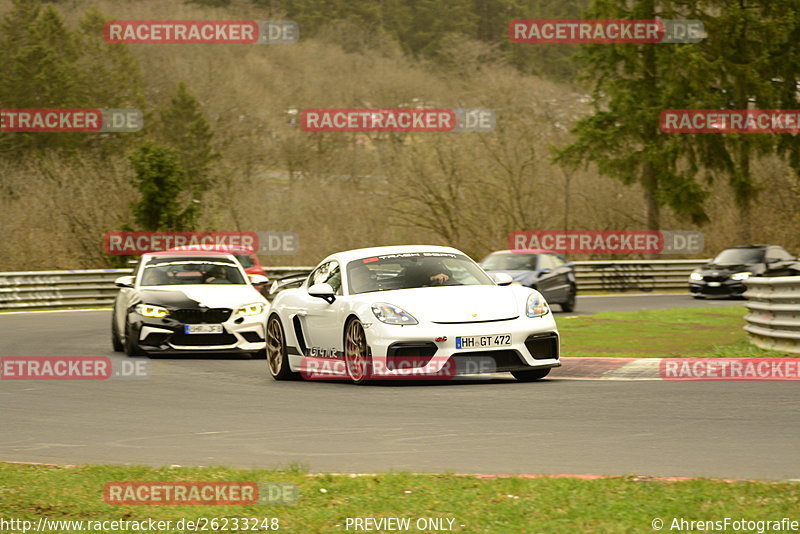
[
  {"x": 773, "y": 318},
  {"x": 95, "y": 287}
]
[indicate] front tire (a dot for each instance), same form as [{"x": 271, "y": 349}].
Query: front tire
[
  {"x": 132, "y": 347},
  {"x": 531, "y": 376},
  {"x": 357, "y": 357},
  {"x": 569, "y": 305},
  {"x": 277, "y": 355},
  {"x": 116, "y": 342}
]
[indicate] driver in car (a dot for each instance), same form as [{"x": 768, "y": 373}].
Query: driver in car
[
  {"x": 217, "y": 275},
  {"x": 427, "y": 272}
]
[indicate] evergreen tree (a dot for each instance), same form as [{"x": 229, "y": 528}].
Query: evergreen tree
[{"x": 161, "y": 179}]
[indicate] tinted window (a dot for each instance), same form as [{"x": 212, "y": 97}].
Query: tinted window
[
  {"x": 245, "y": 260},
  {"x": 167, "y": 272},
  {"x": 327, "y": 273},
  {"x": 509, "y": 261},
  {"x": 547, "y": 261},
  {"x": 739, "y": 256},
  {"x": 412, "y": 270},
  {"x": 779, "y": 253}
]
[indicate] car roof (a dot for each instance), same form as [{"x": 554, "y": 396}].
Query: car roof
[
  {"x": 347, "y": 256},
  {"x": 211, "y": 248},
  {"x": 180, "y": 253}
]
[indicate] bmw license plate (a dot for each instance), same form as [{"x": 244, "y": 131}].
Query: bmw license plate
[
  {"x": 483, "y": 342},
  {"x": 714, "y": 284},
  {"x": 202, "y": 328}
]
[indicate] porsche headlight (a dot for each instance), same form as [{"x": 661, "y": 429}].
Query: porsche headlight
[
  {"x": 251, "y": 309},
  {"x": 390, "y": 314},
  {"x": 696, "y": 276},
  {"x": 741, "y": 276},
  {"x": 536, "y": 306},
  {"x": 148, "y": 310}
]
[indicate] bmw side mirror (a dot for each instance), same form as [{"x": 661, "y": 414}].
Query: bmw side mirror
[
  {"x": 323, "y": 291},
  {"x": 258, "y": 279},
  {"x": 502, "y": 279},
  {"x": 124, "y": 281}
]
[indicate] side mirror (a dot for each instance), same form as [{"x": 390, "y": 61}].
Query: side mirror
[
  {"x": 502, "y": 279},
  {"x": 258, "y": 279},
  {"x": 772, "y": 260},
  {"x": 124, "y": 281},
  {"x": 323, "y": 291}
]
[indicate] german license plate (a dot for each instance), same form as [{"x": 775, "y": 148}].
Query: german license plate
[
  {"x": 714, "y": 284},
  {"x": 202, "y": 328},
  {"x": 483, "y": 342}
]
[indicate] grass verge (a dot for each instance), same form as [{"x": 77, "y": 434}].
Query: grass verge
[
  {"x": 619, "y": 504},
  {"x": 671, "y": 333}
]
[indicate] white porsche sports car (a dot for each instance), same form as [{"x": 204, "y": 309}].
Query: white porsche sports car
[{"x": 408, "y": 312}]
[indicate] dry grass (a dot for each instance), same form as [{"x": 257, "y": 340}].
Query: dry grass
[{"x": 339, "y": 191}]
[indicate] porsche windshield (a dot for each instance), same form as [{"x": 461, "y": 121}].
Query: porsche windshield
[
  {"x": 163, "y": 272},
  {"x": 412, "y": 270}
]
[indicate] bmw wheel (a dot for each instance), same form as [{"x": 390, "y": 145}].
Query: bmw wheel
[
  {"x": 132, "y": 347},
  {"x": 116, "y": 342}
]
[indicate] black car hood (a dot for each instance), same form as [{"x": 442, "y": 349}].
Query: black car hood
[
  {"x": 168, "y": 299},
  {"x": 724, "y": 270}
]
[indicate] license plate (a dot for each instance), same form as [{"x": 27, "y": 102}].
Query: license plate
[
  {"x": 202, "y": 328},
  {"x": 483, "y": 342},
  {"x": 714, "y": 284}
]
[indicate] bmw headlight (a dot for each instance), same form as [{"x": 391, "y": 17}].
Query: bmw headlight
[
  {"x": 741, "y": 276},
  {"x": 536, "y": 306},
  {"x": 148, "y": 310},
  {"x": 251, "y": 309},
  {"x": 696, "y": 276},
  {"x": 390, "y": 314}
]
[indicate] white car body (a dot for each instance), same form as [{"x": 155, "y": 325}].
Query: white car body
[
  {"x": 315, "y": 327},
  {"x": 217, "y": 306}
]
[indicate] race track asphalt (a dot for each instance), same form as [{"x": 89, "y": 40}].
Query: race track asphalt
[{"x": 226, "y": 411}]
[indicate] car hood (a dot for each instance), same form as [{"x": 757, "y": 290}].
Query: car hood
[
  {"x": 196, "y": 296},
  {"x": 725, "y": 270},
  {"x": 456, "y": 304}
]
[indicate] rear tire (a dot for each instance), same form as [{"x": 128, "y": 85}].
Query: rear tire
[
  {"x": 116, "y": 342},
  {"x": 277, "y": 355},
  {"x": 132, "y": 347},
  {"x": 569, "y": 305},
  {"x": 531, "y": 376},
  {"x": 357, "y": 356}
]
